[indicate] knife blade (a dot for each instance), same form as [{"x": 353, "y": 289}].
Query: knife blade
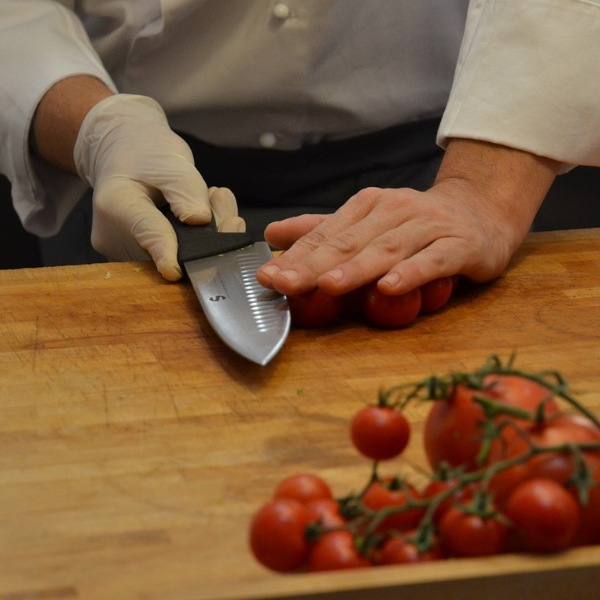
[{"x": 251, "y": 319}]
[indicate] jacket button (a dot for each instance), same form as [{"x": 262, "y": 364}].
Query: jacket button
[
  {"x": 281, "y": 11},
  {"x": 267, "y": 139}
]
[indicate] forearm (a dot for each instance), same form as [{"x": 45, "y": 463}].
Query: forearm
[{"x": 59, "y": 116}]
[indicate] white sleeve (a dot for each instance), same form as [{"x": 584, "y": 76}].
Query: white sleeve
[
  {"x": 528, "y": 77},
  {"x": 42, "y": 42}
]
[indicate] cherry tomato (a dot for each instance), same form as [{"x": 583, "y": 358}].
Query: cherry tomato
[
  {"x": 380, "y": 432},
  {"x": 391, "y": 493},
  {"x": 556, "y": 430},
  {"x": 336, "y": 550},
  {"x": 390, "y": 312},
  {"x": 277, "y": 535},
  {"x": 520, "y": 392},
  {"x": 399, "y": 550},
  {"x": 326, "y": 512},
  {"x": 465, "y": 534},
  {"x": 544, "y": 515},
  {"x": 303, "y": 487},
  {"x": 314, "y": 309},
  {"x": 435, "y": 294},
  {"x": 437, "y": 487},
  {"x": 453, "y": 427},
  {"x": 589, "y": 527},
  {"x": 351, "y": 304}
]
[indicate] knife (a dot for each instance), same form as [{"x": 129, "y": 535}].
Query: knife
[{"x": 251, "y": 319}]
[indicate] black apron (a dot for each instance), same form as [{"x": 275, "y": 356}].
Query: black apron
[{"x": 273, "y": 184}]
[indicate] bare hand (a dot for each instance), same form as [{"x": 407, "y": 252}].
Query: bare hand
[{"x": 404, "y": 238}]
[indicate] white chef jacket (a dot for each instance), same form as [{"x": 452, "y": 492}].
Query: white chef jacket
[{"x": 284, "y": 73}]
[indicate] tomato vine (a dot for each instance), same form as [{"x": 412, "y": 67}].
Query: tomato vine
[{"x": 509, "y": 465}]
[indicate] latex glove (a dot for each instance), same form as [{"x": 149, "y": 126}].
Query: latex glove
[{"x": 128, "y": 154}]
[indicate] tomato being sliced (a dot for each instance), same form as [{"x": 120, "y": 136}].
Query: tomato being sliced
[
  {"x": 314, "y": 309},
  {"x": 390, "y": 312},
  {"x": 435, "y": 294}
]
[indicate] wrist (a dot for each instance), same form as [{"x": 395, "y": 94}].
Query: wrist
[
  {"x": 59, "y": 115},
  {"x": 512, "y": 182}
]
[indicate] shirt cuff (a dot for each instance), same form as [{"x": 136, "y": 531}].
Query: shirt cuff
[
  {"x": 42, "y": 195},
  {"x": 528, "y": 77}
]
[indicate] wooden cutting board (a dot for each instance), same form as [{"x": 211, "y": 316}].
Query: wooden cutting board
[{"x": 134, "y": 447}]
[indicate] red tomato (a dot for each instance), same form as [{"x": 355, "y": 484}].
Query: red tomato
[
  {"x": 390, "y": 493},
  {"x": 398, "y": 550},
  {"x": 277, "y": 535},
  {"x": 556, "y": 430},
  {"x": 589, "y": 528},
  {"x": 303, "y": 487},
  {"x": 466, "y": 534},
  {"x": 435, "y": 294},
  {"x": 544, "y": 515},
  {"x": 438, "y": 487},
  {"x": 351, "y": 303},
  {"x": 326, "y": 512},
  {"x": 380, "y": 432},
  {"x": 390, "y": 312},
  {"x": 453, "y": 427},
  {"x": 314, "y": 309},
  {"x": 336, "y": 550}
]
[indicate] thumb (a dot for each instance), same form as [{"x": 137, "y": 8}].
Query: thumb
[{"x": 128, "y": 226}]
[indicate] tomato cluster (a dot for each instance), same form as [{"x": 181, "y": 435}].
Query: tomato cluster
[
  {"x": 317, "y": 309},
  {"x": 511, "y": 471}
]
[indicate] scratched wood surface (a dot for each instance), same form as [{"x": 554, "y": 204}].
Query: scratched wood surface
[{"x": 134, "y": 447}]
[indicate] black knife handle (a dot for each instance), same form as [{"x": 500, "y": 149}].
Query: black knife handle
[{"x": 199, "y": 241}]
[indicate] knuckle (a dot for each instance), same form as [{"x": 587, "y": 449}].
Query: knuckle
[
  {"x": 389, "y": 243},
  {"x": 309, "y": 242},
  {"x": 345, "y": 243}
]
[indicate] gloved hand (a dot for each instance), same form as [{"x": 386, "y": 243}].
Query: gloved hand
[{"x": 127, "y": 152}]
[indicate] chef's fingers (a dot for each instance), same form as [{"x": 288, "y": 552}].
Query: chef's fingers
[
  {"x": 128, "y": 226},
  {"x": 283, "y": 234},
  {"x": 225, "y": 210},
  {"x": 324, "y": 243}
]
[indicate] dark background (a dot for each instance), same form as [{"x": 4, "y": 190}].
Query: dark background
[{"x": 572, "y": 203}]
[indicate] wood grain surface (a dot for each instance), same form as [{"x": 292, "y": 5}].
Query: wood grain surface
[{"x": 134, "y": 447}]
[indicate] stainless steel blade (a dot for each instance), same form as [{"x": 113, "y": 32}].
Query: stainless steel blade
[{"x": 249, "y": 318}]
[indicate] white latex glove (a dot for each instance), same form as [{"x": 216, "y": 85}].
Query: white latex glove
[{"x": 127, "y": 152}]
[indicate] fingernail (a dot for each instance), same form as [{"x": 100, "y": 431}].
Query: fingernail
[
  {"x": 270, "y": 271},
  {"x": 391, "y": 280},
  {"x": 291, "y": 276},
  {"x": 336, "y": 274}
]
